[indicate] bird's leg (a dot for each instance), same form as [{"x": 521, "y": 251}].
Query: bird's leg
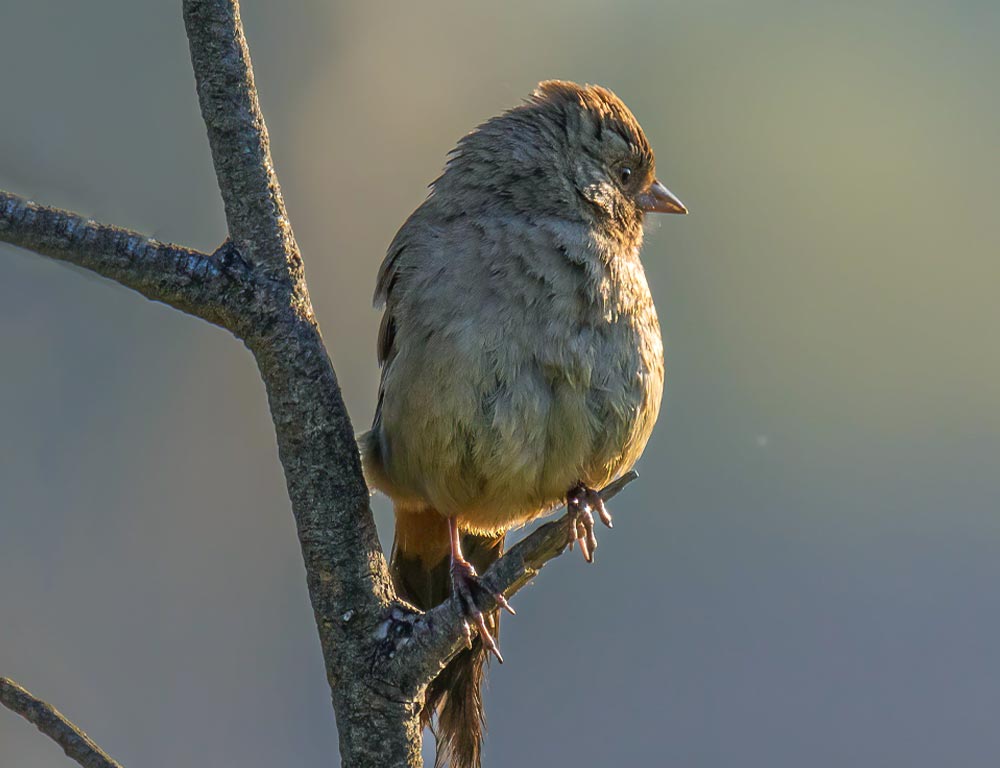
[
  {"x": 467, "y": 589},
  {"x": 581, "y": 503}
]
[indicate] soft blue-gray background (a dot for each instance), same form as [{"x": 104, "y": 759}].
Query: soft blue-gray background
[{"x": 808, "y": 573}]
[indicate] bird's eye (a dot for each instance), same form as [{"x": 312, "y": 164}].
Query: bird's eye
[{"x": 625, "y": 174}]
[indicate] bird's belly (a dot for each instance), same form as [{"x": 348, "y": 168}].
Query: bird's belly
[{"x": 580, "y": 410}]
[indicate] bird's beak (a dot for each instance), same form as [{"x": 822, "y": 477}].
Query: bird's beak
[{"x": 659, "y": 199}]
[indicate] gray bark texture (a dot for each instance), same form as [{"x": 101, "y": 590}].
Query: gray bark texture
[{"x": 379, "y": 652}]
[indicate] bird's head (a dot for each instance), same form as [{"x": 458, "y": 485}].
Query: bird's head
[{"x": 569, "y": 151}]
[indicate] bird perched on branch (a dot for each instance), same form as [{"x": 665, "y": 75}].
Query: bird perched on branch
[{"x": 521, "y": 357}]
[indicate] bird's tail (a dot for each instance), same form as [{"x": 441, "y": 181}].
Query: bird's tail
[{"x": 420, "y": 569}]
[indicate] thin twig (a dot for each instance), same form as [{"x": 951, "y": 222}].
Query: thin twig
[
  {"x": 440, "y": 633},
  {"x": 194, "y": 282},
  {"x": 525, "y": 559},
  {"x": 77, "y": 745}
]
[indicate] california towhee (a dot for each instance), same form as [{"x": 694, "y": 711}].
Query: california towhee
[{"x": 521, "y": 357}]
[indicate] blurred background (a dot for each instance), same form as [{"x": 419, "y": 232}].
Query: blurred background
[{"x": 806, "y": 574}]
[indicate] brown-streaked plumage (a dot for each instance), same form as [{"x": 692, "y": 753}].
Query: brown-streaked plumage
[{"x": 521, "y": 357}]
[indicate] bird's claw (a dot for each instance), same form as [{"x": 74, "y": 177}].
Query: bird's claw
[
  {"x": 468, "y": 589},
  {"x": 581, "y": 503}
]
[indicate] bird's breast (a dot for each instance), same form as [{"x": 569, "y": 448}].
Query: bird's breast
[{"x": 595, "y": 370}]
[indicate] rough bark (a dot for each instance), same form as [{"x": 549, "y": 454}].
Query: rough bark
[
  {"x": 379, "y": 653},
  {"x": 208, "y": 286}
]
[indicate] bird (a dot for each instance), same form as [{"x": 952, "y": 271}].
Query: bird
[{"x": 521, "y": 359}]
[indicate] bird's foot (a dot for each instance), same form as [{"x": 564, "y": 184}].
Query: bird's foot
[
  {"x": 468, "y": 590},
  {"x": 581, "y": 503}
]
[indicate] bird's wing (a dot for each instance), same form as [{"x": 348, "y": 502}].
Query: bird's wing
[
  {"x": 388, "y": 276},
  {"x": 386, "y": 296}
]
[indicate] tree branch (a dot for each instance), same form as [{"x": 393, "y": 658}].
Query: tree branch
[
  {"x": 237, "y": 135},
  {"x": 415, "y": 656},
  {"x": 349, "y": 583},
  {"x": 193, "y": 282},
  {"x": 315, "y": 436},
  {"x": 77, "y": 745}
]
